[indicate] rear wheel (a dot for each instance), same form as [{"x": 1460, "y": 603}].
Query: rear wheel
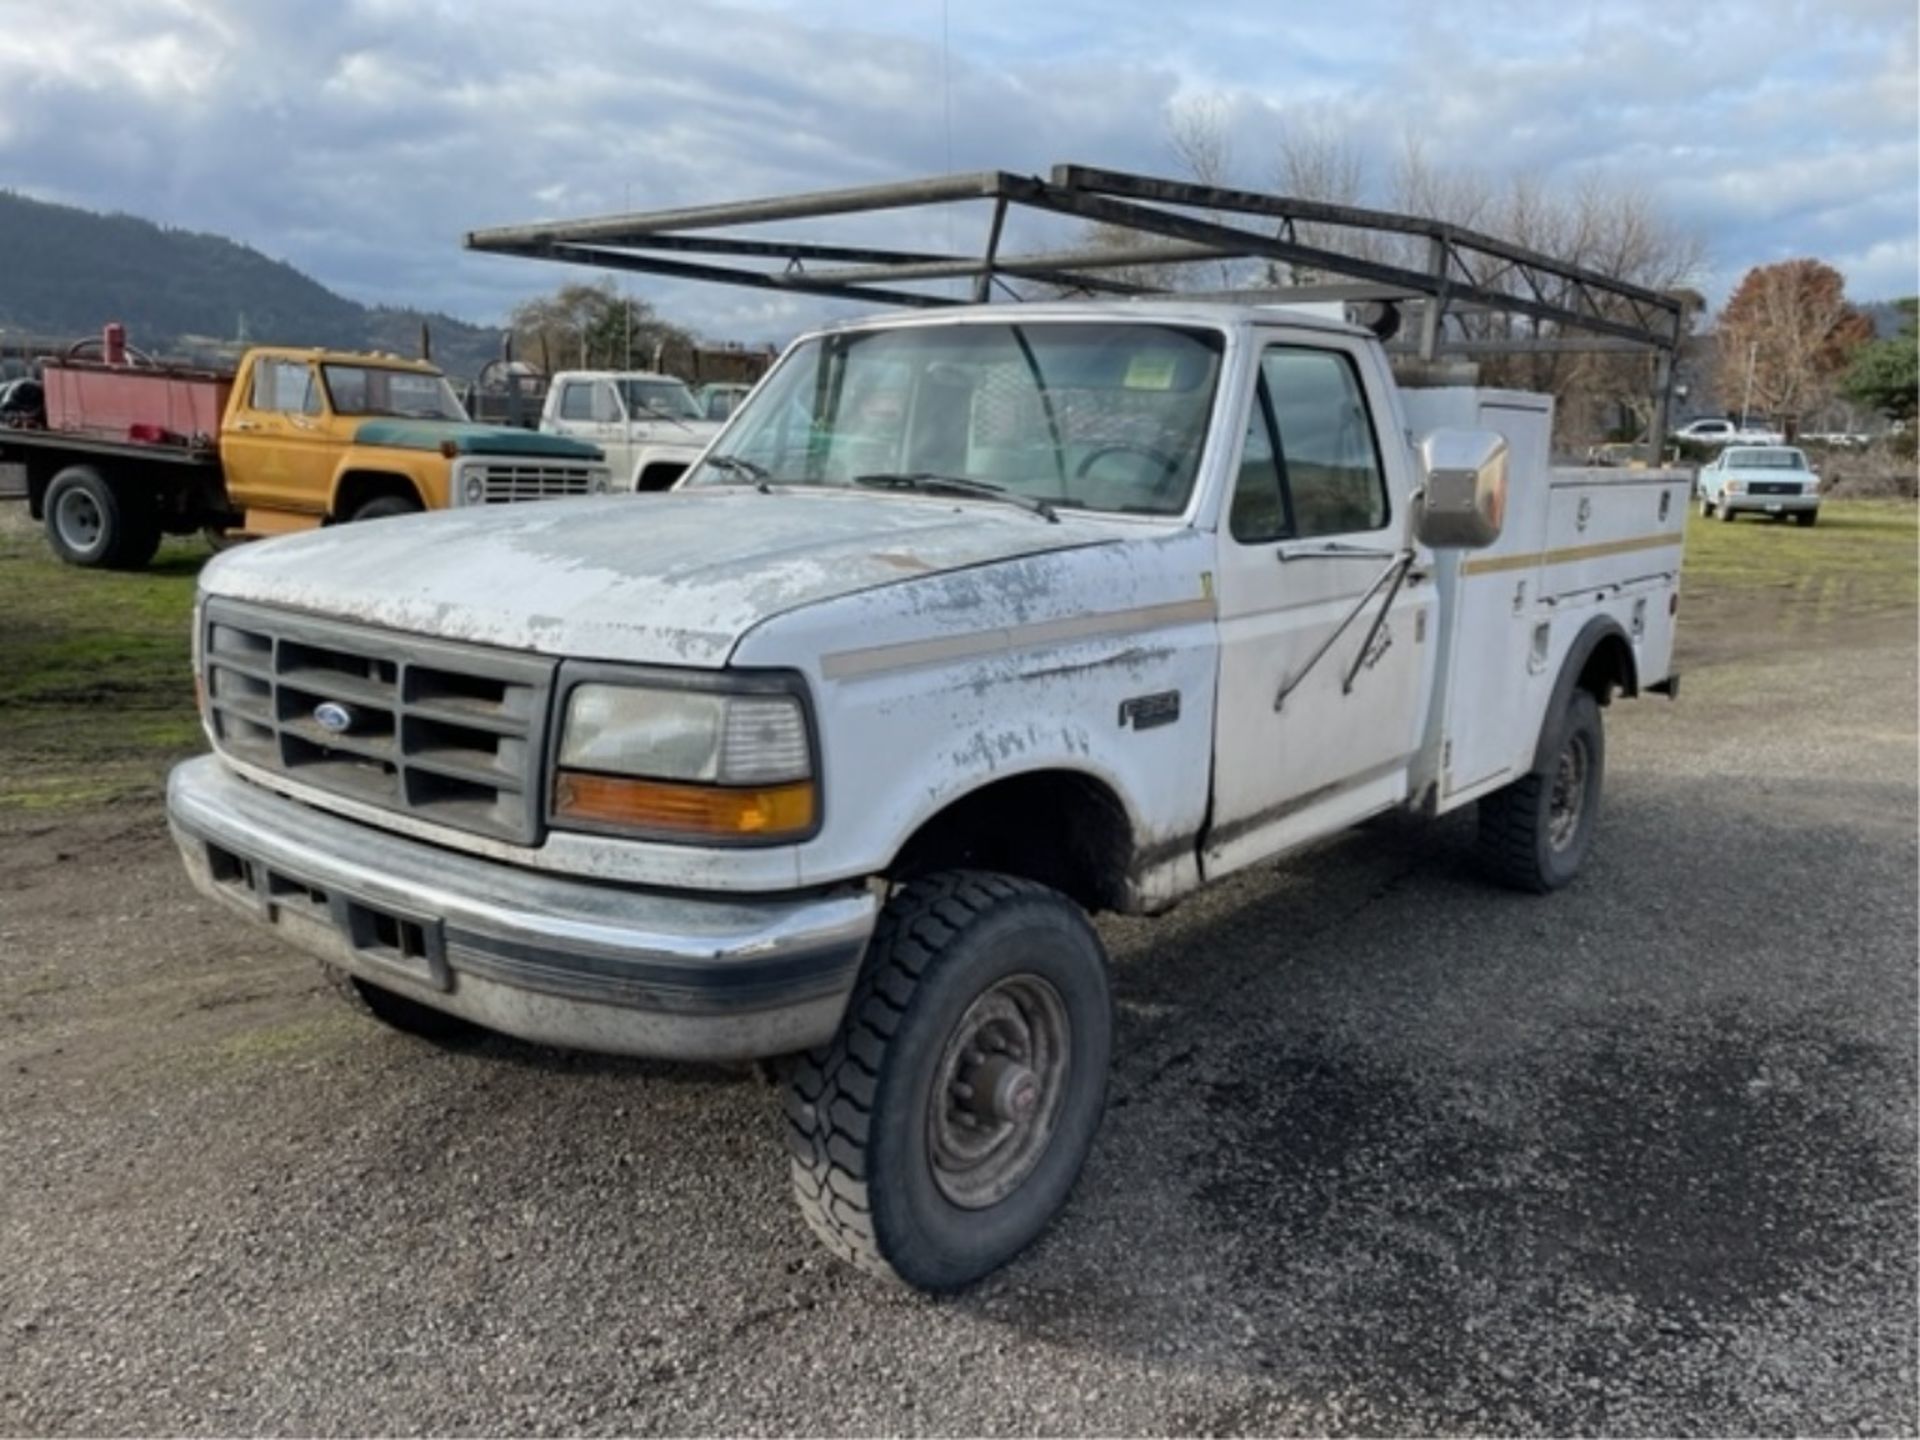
[
  {"x": 1535, "y": 833},
  {"x": 944, "y": 1127},
  {"x": 96, "y": 525},
  {"x": 397, "y": 1011},
  {"x": 1706, "y": 508}
]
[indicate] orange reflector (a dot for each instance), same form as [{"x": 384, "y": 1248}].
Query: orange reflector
[{"x": 760, "y": 814}]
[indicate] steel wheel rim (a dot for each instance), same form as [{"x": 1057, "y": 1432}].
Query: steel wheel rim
[
  {"x": 998, "y": 1090},
  {"x": 78, "y": 519},
  {"x": 1569, "y": 800}
]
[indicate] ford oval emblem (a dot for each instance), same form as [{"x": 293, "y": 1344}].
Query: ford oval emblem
[{"x": 333, "y": 717}]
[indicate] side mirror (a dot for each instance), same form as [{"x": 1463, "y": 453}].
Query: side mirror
[{"x": 1464, "y": 500}]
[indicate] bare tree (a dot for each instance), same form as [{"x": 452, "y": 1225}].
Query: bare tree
[
  {"x": 1611, "y": 228},
  {"x": 1317, "y": 159},
  {"x": 1199, "y": 136}
]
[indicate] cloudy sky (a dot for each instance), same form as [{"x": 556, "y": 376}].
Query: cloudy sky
[{"x": 359, "y": 139}]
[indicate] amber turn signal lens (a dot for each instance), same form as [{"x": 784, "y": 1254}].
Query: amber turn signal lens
[{"x": 719, "y": 812}]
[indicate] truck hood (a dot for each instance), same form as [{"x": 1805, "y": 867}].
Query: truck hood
[
  {"x": 671, "y": 579},
  {"x": 694, "y": 434},
  {"x": 470, "y": 439}
]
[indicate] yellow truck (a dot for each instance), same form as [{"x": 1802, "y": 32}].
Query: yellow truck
[{"x": 120, "y": 452}]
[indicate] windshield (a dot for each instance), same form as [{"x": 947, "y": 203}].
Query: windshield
[
  {"x": 1091, "y": 414},
  {"x": 1769, "y": 459},
  {"x": 659, "y": 397},
  {"x": 365, "y": 390}
]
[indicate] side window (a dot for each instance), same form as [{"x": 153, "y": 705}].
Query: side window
[
  {"x": 305, "y": 391},
  {"x": 576, "y": 401},
  {"x": 286, "y": 386},
  {"x": 1259, "y": 509},
  {"x": 1329, "y": 463}
]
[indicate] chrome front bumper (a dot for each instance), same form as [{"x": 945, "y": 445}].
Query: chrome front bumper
[
  {"x": 560, "y": 961},
  {"x": 1744, "y": 504}
]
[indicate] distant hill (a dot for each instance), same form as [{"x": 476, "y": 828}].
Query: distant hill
[{"x": 66, "y": 272}]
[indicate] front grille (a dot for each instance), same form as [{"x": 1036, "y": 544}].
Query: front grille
[
  {"x": 1773, "y": 487},
  {"x": 454, "y": 734},
  {"x": 505, "y": 482}
]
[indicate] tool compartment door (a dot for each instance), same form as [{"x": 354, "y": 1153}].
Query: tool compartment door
[
  {"x": 1614, "y": 541},
  {"x": 1489, "y": 596}
]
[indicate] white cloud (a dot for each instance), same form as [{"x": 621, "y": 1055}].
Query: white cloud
[{"x": 359, "y": 140}]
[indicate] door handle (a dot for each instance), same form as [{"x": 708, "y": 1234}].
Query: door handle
[{"x": 244, "y": 425}]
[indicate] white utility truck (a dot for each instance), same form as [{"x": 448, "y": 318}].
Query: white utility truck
[
  {"x": 970, "y": 624},
  {"x": 650, "y": 426}
]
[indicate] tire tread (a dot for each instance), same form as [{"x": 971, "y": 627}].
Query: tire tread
[{"x": 831, "y": 1090}]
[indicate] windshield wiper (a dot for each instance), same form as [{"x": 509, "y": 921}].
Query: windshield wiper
[
  {"x": 735, "y": 465},
  {"x": 926, "y": 483}
]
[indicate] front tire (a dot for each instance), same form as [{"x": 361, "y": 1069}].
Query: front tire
[
  {"x": 1535, "y": 833},
  {"x": 97, "y": 526},
  {"x": 1726, "y": 513},
  {"x": 381, "y": 506},
  {"x": 944, "y": 1126},
  {"x": 1806, "y": 518}
]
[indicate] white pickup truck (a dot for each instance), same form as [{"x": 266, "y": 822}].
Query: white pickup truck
[
  {"x": 967, "y": 626},
  {"x": 650, "y": 426}
]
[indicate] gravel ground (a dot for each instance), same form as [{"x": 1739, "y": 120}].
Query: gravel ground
[{"x": 1388, "y": 1151}]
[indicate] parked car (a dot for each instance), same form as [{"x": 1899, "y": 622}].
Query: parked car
[
  {"x": 1771, "y": 480},
  {"x": 1727, "y": 432},
  {"x": 968, "y": 625},
  {"x": 650, "y": 426}
]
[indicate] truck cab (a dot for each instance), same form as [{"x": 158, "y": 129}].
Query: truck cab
[
  {"x": 650, "y": 426},
  {"x": 317, "y": 435}
]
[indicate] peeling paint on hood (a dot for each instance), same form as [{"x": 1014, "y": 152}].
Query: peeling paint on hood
[{"x": 673, "y": 579}]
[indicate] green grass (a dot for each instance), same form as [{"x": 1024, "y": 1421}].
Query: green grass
[
  {"x": 96, "y": 694},
  {"x": 1860, "y": 559}
]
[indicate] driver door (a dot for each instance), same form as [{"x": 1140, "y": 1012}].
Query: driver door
[
  {"x": 276, "y": 452},
  {"x": 1305, "y": 746}
]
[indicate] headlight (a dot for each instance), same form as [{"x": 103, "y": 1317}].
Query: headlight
[
  {"x": 1734, "y": 487},
  {"x": 473, "y": 489},
  {"x": 689, "y": 763}
]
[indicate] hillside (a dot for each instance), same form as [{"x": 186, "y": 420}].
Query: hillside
[{"x": 66, "y": 272}]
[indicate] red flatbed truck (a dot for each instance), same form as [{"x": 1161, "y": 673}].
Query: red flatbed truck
[{"x": 125, "y": 451}]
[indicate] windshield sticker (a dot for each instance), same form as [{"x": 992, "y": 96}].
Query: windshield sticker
[{"x": 1150, "y": 372}]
